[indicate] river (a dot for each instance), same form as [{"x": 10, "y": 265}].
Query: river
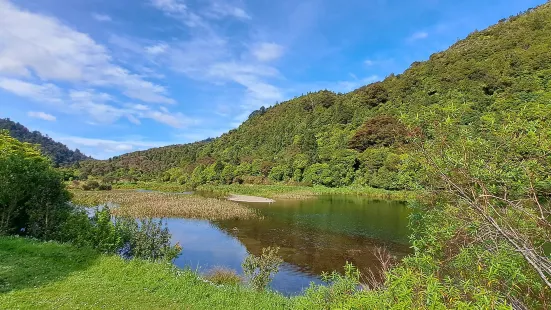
[{"x": 315, "y": 235}]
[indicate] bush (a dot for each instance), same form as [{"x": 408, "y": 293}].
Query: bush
[
  {"x": 261, "y": 269},
  {"x": 144, "y": 239},
  {"x": 223, "y": 276},
  {"x": 33, "y": 198},
  {"x": 105, "y": 187},
  {"x": 90, "y": 185}
]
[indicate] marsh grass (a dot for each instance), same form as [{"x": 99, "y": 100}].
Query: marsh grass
[
  {"x": 154, "y": 204},
  {"x": 223, "y": 276},
  {"x": 305, "y": 192}
]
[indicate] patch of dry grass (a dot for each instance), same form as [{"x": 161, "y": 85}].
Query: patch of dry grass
[
  {"x": 223, "y": 276},
  {"x": 140, "y": 204}
]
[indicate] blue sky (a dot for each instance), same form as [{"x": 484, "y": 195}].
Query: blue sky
[{"x": 114, "y": 76}]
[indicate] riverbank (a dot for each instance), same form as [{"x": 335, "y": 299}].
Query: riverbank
[
  {"x": 245, "y": 198},
  {"x": 304, "y": 192},
  {"x": 48, "y": 275},
  {"x": 157, "y": 204}
]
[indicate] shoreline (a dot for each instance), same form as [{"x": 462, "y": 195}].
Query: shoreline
[{"x": 246, "y": 198}]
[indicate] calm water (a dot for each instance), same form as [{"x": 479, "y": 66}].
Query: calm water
[{"x": 314, "y": 235}]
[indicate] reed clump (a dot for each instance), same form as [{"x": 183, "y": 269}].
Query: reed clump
[
  {"x": 223, "y": 276},
  {"x": 156, "y": 204}
]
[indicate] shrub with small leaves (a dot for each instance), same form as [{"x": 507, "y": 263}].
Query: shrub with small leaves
[{"x": 261, "y": 269}]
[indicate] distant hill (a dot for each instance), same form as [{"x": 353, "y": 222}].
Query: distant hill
[
  {"x": 58, "y": 152},
  {"x": 358, "y": 137}
]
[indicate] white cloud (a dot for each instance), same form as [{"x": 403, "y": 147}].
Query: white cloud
[
  {"x": 211, "y": 57},
  {"x": 96, "y": 106},
  {"x": 156, "y": 49},
  {"x": 369, "y": 62},
  {"x": 418, "y": 36},
  {"x": 42, "y": 115},
  {"x": 105, "y": 148},
  {"x": 267, "y": 51},
  {"x": 178, "y": 9},
  {"x": 221, "y": 10},
  {"x": 38, "y": 92},
  {"x": 101, "y": 17},
  {"x": 42, "y": 46}
]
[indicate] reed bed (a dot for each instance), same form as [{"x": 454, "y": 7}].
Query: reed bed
[
  {"x": 304, "y": 192},
  {"x": 155, "y": 204}
]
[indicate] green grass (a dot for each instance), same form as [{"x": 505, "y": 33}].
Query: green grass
[
  {"x": 302, "y": 192},
  {"x": 154, "y": 186},
  {"x": 38, "y": 275}
]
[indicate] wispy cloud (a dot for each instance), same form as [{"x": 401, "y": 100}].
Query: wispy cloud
[
  {"x": 42, "y": 115},
  {"x": 222, "y": 9},
  {"x": 209, "y": 56},
  {"x": 101, "y": 17},
  {"x": 105, "y": 148},
  {"x": 95, "y": 106},
  {"x": 420, "y": 35},
  {"x": 47, "y": 92},
  {"x": 267, "y": 51},
  {"x": 35, "y": 44},
  {"x": 156, "y": 49}
]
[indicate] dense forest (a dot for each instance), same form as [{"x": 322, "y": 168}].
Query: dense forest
[
  {"x": 60, "y": 154},
  {"x": 364, "y": 137}
]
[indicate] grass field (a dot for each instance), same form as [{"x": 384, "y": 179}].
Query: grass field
[{"x": 38, "y": 275}]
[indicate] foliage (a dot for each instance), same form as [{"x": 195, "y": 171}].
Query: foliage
[
  {"x": 223, "y": 276},
  {"x": 131, "y": 238},
  {"x": 260, "y": 269},
  {"x": 337, "y": 292},
  {"x": 33, "y": 199},
  {"x": 381, "y": 130},
  {"x": 57, "y": 152}
]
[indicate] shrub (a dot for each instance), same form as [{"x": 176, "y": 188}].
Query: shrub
[
  {"x": 144, "y": 239},
  {"x": 90, "y": 185},
  {"x": 223, "y": 276},
  {"x": 105, "y": 187},
  {"x": 33, "y": 198},
  {"x": 261, "y": 269}
]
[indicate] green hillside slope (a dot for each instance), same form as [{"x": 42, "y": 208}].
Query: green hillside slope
[
  {"x": 58, "y": 152},
  {"x": 361, "y": 137}
]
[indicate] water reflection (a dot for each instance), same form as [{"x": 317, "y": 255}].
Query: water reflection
[{"x": 314, "y": 235}]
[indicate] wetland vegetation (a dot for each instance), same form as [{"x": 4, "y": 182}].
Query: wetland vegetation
[{"x": 158, "y": 205}]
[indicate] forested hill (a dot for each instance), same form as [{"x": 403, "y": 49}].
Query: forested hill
[
  {"x": 58, "y": 152},
  {"x": 360, "y": 137}
]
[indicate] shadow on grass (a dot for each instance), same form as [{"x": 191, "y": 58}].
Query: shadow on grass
[{"x": 28, "y": 263}]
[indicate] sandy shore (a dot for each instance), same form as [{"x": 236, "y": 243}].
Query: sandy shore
[{"x": 243, "y": 198}]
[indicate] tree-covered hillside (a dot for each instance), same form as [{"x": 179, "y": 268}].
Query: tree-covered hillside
[
  {"x": 58, "y": 152},
  {"x": 363, "y": 137}
]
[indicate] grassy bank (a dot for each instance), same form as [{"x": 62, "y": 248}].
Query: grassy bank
[
  {"x": 153, "y": 204},
  {"x": 37, "y": 275},
  {"x": 154, "y": 186},
  {"x": 302, "y": 192}
]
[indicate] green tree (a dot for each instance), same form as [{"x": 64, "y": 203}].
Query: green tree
[{"x": 33, "y": 199}]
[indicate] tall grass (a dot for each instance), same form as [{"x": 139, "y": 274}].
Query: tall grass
[
  {"x": 140, "y": 204},
  {"x": 304, "y": 192}
]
